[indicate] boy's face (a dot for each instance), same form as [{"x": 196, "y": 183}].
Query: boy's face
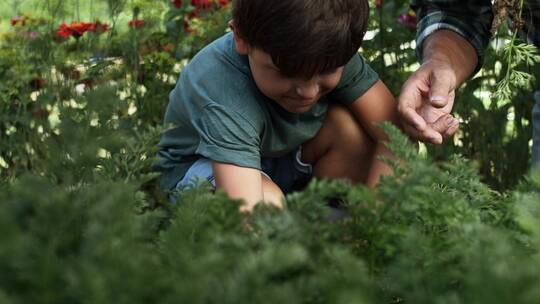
[{"x": 293, "y": 94}]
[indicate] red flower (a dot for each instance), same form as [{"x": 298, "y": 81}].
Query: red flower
[
  {"x": 63, "y": 31},
  {"x": 15, "y": 20},
  {"x": 98, "y": 27},
  {"x": 409, "y": 20},
  {"x": 378, "y": 3},
  {"x": 136, "y": 23},
  {"x": 177, "y": 3},
  {"x": 200, "y": 7},
  {"x": 77, "y": 29},
  {"x": 202, "y": 4}
]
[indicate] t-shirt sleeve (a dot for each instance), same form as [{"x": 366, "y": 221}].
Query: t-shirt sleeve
[
  {"x": 357, "y": 78},
  {"x": 226, "y": 136}
]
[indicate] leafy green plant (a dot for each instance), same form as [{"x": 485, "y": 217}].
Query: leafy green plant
[{"x": 432, "y": 233}]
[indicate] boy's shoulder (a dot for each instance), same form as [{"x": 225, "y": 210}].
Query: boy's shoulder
[
  {"x": 219, "y": 76},
  {"x": 219, "y": 59},
  {"x": 356, "y": 79}
]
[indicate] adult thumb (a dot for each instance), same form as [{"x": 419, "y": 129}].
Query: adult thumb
[{"x": 440, "y": 88}]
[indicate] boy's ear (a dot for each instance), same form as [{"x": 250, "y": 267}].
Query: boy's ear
[{"x": 241, "y": 45}]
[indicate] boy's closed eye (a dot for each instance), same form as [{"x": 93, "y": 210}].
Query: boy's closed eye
[{"x": 277, "y": 71}]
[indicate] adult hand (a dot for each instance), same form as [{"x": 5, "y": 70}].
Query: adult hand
[
  {"x": 427, "y": 98},
  {"x": 426, "y": 101}
]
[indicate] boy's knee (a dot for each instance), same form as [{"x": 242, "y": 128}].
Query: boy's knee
[{"x": 347, "y": 132}]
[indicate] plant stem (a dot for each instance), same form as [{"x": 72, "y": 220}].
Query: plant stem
[{"x": 512, "y": 43}]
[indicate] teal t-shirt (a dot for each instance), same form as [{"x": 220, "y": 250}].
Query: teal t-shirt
[{"x": 217, "y": 112}]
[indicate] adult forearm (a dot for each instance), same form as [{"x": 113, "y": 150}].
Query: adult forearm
[{"x": 445, "y": 47}]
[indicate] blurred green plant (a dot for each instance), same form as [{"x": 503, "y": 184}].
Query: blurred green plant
[{"x": 433, "y": 233}]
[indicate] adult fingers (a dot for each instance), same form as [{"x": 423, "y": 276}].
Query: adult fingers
[
  {"x": 427, "y": 135},
  {"x": 452, "y": 129},
  {"x": 410, "y": 98},
  {"x": 444, "y": 122},
  {"x": 410, "y": 117},
  {"x": 446, "y": 125}
]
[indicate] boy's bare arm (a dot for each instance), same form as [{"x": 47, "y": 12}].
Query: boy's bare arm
[
  {"x": 246, "y": 184},
  {"x": 375, "y": 106}
]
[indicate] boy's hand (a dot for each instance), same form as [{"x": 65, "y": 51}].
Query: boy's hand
[{"x": 247, "y": 184}]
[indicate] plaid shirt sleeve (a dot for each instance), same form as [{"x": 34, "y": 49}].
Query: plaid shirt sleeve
[{"x": 469, "y": 18}]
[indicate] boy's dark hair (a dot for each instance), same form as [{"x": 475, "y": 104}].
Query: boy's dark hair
[{"x": 303, "y": 37}]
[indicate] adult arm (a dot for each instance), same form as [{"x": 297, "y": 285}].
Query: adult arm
[{"x": 451, "y": 39}]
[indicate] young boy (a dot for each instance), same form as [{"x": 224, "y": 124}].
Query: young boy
[{"x": 283, "y": 97}]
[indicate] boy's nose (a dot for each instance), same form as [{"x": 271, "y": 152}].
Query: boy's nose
[{"x": 308, "y": 90}]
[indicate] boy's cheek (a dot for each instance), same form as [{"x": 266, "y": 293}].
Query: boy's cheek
[{"x": 330, "y": 82}]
